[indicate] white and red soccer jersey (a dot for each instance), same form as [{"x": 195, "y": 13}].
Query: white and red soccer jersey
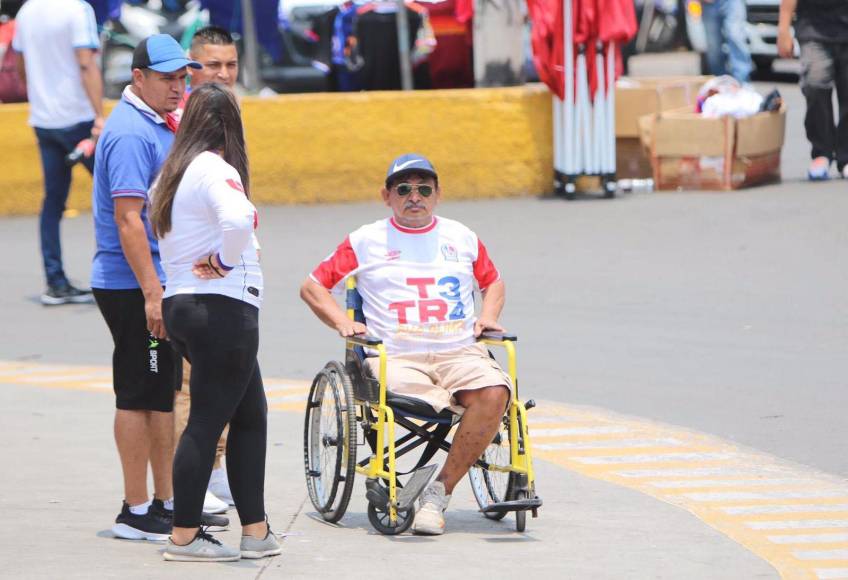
[{"x": 416, "y": 284}]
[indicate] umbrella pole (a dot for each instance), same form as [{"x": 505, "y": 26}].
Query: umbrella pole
[
  {"x": 600, "y": 114},
  {"x": 557, "y": 110},
  {"x": 585, "y": 113},
  {"x": 569, "y": 129},
  {"x": 611, "y": 161}
]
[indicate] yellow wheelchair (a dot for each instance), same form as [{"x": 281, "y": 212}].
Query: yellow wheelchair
[{"x": 344, "y": 396}]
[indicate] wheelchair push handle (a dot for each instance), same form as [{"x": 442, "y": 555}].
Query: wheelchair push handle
[
  {"x": 499, "y": 336},
  {"x": 364, "y": 340}
]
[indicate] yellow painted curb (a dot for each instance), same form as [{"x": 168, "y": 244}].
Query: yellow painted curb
[{"x": 335, "y": 147}]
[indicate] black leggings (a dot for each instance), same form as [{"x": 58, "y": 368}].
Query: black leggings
[{"x": 219, "y": 336}]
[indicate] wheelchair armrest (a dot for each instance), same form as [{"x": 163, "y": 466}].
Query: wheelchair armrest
[
  {"x": 498, "y": 336},
  {"x": 364, "y": 340}
]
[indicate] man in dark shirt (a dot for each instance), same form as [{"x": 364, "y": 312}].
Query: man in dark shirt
[{"x": 821, "y": 27}]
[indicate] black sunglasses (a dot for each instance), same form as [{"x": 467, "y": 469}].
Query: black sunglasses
[{"x": 424, "y": 190}]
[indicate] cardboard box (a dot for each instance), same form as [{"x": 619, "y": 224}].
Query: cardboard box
[
  {"x": 637, "y": 97},
  {"x": 689, "y": 151}
]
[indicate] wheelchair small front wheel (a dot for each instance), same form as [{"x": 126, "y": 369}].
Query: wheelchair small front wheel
[
  {"x": 381, "y": 521},
  {"x": 329, "y": 441},
  {"x": 521, "y": 516}
]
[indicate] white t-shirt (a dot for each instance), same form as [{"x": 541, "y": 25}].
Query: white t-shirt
[
  {"x": 417, "y": 285},
  {"x": 211, "y": 214},
  {"x": 47, "y": 33}
]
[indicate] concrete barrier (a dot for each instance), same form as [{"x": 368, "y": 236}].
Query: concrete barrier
[{"x": 335, "y": 147}]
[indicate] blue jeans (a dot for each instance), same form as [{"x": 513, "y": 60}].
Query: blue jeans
[
  {"x": 724, "y": 24},
  {"x": 54, "y": 144}
]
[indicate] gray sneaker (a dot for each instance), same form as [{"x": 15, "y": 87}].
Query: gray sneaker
[
  {"x": 203, "y": 548},
  {"x": 430, "y": 517},
  {"x": 251, "y": 548}
]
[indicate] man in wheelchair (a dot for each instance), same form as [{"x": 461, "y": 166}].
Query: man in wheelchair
[{"x": 416, "y": 274}]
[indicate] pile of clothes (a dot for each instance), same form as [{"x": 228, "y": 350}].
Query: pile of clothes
[{"x": 725, "y": 96}]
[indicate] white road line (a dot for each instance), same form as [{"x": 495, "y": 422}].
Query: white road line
[
  {"x": 11, "y": 370},
  {"x": 69, "y": 378},
  {"x": 728, "y": 482},
  {"x": 831, "y": 573},
  {"x": 809, "y": 539},
  {"x": 797, "y": 524},
  {"x": 555, "y": 419},
  {"x": 785, "y": 509},
  {"x": 686, "y": 472},
  {"x": 614, "y": 444},
  {"x": 578, "y": 431},
  {"x": 301, "y": 397},
  {"x": 657, "y": 458},
  {"x": 757, "y": 495},
  {"x": 821, "y": 554}
]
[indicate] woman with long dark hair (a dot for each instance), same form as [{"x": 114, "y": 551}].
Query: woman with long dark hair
[{"x": 205, "y": 222}]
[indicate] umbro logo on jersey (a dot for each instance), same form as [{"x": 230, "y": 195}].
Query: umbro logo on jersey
[{"x": 404, "y": 165}]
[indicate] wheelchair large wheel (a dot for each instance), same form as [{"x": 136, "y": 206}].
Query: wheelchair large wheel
[
  {"x": 329, "y": 441},
  {"x": 493, "y": 486}
]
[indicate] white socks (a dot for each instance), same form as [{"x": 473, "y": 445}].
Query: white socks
[{"x": 140, "y": 509}]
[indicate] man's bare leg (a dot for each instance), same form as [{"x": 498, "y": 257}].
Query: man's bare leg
[
  {"x": 162, "y": 453},
  {"x": 484, "y": 409},
  {"x": 133, "y": 441}
]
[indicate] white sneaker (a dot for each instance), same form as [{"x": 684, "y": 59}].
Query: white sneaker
[
  {"x": 220, "y": 486},
  {"x": 213, "y": 505},
  {"x": 430, "y": 517}
]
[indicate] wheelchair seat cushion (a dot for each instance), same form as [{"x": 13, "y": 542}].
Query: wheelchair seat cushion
[{"x": 411, "y": 406}]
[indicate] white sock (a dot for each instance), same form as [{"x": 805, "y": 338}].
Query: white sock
[
  {"x": 169, "y": 504},
  {"x": 140, "y": 509}
]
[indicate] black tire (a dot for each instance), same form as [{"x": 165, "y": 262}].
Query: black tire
[
  {"x": 379, "y": 519},
  {"x": 329, "y": 441},
  {"x": 494, "y": 486}
]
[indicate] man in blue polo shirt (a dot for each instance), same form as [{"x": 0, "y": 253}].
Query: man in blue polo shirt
[{"x": 127, "y": 282}]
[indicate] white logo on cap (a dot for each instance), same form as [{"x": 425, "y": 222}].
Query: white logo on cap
[{"x": 405, "y": 164}]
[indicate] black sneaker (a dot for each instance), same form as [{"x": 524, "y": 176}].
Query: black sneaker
[
  {"x": 67, "y": 294},
  {"x": 129, "y": 526},
  {"x": 211, "y": 522}
]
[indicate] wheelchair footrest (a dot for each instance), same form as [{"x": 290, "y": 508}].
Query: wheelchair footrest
[
  {"x": 416, "y": 484},
  {"x": 517, "y": 505}
]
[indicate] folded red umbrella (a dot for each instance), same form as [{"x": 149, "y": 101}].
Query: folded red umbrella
[{"x": 592, "y": 20}]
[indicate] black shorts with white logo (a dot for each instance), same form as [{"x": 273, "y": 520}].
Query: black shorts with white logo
[{"x": 145, "y": 370}]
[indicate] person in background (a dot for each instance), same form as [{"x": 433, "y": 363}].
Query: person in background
[
  {"x": 56, "y": 44},
  {"x": 724, "y": 23},
  {"x": 205, "y": 222},
  {"x": 821, "y": 27},
  {"x": 215, "y": 49}
]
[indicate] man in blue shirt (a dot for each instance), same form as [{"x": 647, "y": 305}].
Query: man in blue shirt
[{"x": 127, "y": 281}]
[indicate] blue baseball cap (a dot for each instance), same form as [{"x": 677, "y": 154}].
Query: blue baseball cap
[
  {"x": 410, "y": 163},
  {"x": 160, "y": 52}
]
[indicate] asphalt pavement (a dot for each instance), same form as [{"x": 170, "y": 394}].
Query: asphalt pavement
[{"x": 698, "y": 313}]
